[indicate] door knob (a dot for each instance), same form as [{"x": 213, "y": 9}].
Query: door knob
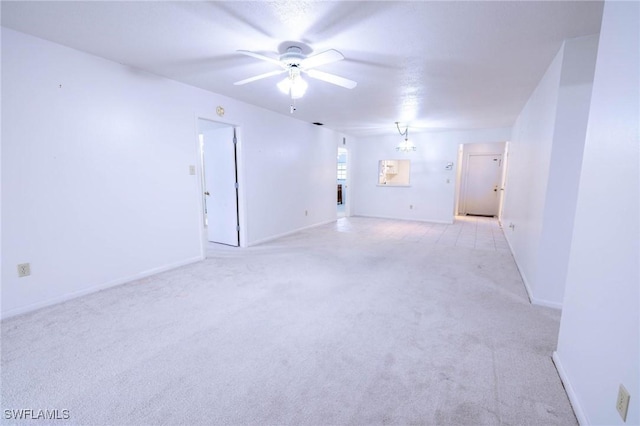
[{"x": 206, "y": 193}]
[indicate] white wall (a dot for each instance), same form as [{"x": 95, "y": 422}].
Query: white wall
[
  {"x": 599, "y": 341},
  {"x": 574, "y": 98},
  {"x": 289, "y": 170},
  {"x": 544, "y": 166},
  {"x": 432, "y": 197},
  {"x": 96, "y": 188},
  {"x": 526, "y": 182},
  {"x": 1, "y": 133}
]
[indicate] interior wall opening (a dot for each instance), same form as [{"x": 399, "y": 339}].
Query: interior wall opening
[
  {"x": 219, "y": 182},
  {"x": 341, "y": 179}
]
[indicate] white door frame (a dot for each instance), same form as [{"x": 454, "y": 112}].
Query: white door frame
[
  {"x": 503, "y": 180},
  {"x": 220, "y": 173},
  {"x": 346, "y": 194},
  {"x": 462, "y": 205},
  {"x": 201, "y": 186},
  {"x": 488, "y": 148}
]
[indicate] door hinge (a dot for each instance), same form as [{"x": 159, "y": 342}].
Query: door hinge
[
  {"x": 238, "y": 228},
  {"x": 236, "y": 185}
]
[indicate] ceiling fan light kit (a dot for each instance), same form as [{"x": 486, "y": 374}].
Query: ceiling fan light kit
[
  {"x": 293, "y": 85},
  {"x": 294, "y": 62}
]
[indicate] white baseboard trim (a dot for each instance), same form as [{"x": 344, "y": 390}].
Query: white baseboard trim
[
  {"x": 284, "y": 234},
  {"x": 522, "y": 276},
  {"x": 95, "y": 288},
  {"x": 444, "y": 222},
  {"x": 546, "y": 303},
  {"x": 532, "y": 299},
  {"x": 573, "y": 398}
]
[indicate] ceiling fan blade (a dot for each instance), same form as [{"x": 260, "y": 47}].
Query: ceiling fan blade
[
  {"x": 262, "y": 57},
  {"x": 333, "y": 79},
  {"x": 259, "y": 77},
  {"x": 323, "y": 58}
]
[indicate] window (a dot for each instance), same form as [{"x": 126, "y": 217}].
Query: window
[{"x": 342, "y": 171}]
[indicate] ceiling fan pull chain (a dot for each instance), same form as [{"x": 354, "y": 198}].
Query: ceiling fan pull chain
[{"x": 292, "y": 107}]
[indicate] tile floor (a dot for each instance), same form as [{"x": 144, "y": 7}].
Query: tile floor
[{"x": 482, "y": 233}]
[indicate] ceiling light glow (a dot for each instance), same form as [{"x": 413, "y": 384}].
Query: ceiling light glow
[{"x": 293, "y": 85}]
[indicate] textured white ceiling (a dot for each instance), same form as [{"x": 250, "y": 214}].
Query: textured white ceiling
[{"x": 434, "y": 65}]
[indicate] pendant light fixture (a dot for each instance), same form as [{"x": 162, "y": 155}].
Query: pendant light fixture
[{"x": 405, "y": 146}]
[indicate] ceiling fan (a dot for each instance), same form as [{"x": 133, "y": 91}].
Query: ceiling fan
[{"x": 294, "y": 62}]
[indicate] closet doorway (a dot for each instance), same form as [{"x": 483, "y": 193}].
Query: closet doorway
[
  {"x": 341, "y": 180},
  {"x": 218, "y": 147}
]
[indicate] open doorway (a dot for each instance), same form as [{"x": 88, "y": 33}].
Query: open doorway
[
  {"x": 218, "y": 143},
  {"x": 341, "y": 180},
  {"x": 481, "y": 178}
]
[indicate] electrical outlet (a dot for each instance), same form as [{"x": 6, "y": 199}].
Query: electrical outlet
[
  {"x": 24, "y": 270},
  {"x": 306, "y": 213},
  {"x": 192, "y": 170},
  {"x": 622, "y": 404}
]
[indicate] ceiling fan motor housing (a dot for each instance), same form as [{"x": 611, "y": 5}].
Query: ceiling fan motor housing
[{"x": 293, "y": 56}]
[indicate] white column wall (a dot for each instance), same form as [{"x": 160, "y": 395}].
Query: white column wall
[
  {"x": 599, "y": 341},
  {"x": 574, "y": 98},
  {"x": 292, "y": 170},
  {"x": 96, "y": 189},
  {"x": 527, "y": 174},
  {"x": 545, "y": 156}
]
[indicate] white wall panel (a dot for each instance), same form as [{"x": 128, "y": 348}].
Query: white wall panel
[
  {"x": 574, "y": 98},
  {"x": 544, "y": 161},
  {"x": 528, "y": 170},
  {"x": 96, "y": 187},
  {"x": 599, "y": 341}
]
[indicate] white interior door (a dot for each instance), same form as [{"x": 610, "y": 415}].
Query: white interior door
[
  {"x": 482, "y": 184},
  {"x": 221, "y": 200}
]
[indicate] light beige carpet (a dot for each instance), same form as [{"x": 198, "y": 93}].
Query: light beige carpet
[{"x": 361, "y": 322}]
